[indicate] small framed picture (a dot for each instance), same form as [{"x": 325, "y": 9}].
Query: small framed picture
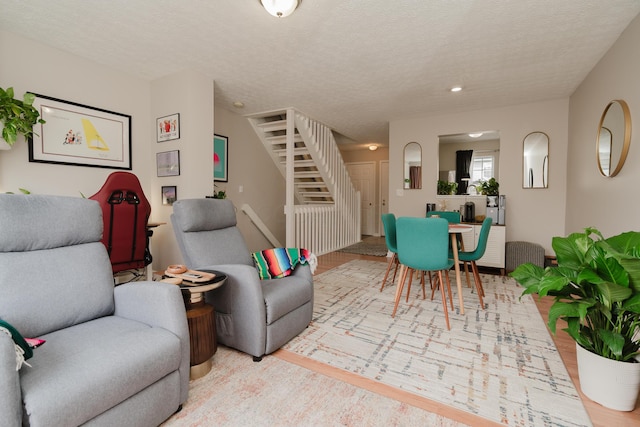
[
  {"x": 168, "y": 163},
  {"x": 169, "y": 194},
  {"x": 220, "y": 158},
  {"x": 168, "y": 127}
]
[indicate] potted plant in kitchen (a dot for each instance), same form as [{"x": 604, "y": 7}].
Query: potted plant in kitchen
[
  {"x": 16, "y": 117},
  {"x": 446, "y": 188},
  {"x": 596, "y": 290},
  {"x": 490, "y": 189}
]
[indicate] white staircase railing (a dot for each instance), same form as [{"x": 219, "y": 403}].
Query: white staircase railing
[
  {"x": 327, "y": 216},
  {"x": 313, "y": 222},
  {"x": 255, "y": 219}
]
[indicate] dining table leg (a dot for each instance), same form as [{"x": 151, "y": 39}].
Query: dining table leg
[{"x": 456, "y": 265}]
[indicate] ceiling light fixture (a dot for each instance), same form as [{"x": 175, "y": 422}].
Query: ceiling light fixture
[
  {"x": 475, "y": 135},
  {"x": 280, "y": 8},
  {"x": 373, "y": 147},
  {"x": 456, "y": 89},
  {"x": 238, "y": 104}
]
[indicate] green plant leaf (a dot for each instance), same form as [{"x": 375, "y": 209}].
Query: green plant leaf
[
  {"x": 561, "y": 309},
  {"x": 613, "y": 341},
  {"x": 568, "y": 252},
  {"x": 29, "y": 98},
  {"x": 632, "y": 304}
]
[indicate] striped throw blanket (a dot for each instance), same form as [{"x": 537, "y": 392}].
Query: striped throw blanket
[
  {"x": 22, "y": 345},
  {"x": 280, "y": 262}
]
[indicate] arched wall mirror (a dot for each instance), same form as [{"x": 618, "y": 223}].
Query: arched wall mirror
[
  {"x": 412, "y": 166},
  {"x": 614, "y": 138},
  {"x": 535, "y": 160}
]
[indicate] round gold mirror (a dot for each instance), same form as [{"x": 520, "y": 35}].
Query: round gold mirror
[{"x": 614, "y": 138}]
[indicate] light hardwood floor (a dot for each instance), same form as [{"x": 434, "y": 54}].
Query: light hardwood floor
[{"x": 600, "y": 416}]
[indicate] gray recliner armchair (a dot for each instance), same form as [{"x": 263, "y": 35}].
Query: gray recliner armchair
[
  {"x": 113, "y": 355},
  {"x": 254, "y": 316}
]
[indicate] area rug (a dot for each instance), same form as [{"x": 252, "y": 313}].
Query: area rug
[
  {"x": 374, "y": 246},
  {"x": 499, "y": 363},
  {"x": 240, "y": 392}
]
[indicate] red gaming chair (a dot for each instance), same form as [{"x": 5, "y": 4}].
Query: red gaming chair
[{"x": 125, "y": 212}]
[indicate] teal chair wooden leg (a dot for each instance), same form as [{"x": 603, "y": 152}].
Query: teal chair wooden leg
[{"x": 392, "y": 260}]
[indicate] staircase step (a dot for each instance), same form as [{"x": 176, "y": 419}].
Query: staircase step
[
  {"x": 315, "y": 184},
  {"x": 315, "y": 193},
  {"x": 273, "y": 126},
  {"x": 301, "y": 151},
  {"x": 321, "y": 202},
  {"x": 301, "y": 163},
  {"x": 307, "y": 174},
  {"x": 282, "y": 139}
]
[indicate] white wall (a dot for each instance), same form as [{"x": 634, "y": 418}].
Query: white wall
[
  {"x": 33, "y": 67},
  {"x": 534, "y": 215},
  {"x": 58, "y": 74},
  {"x": 251, "y": 167},
  {"x": 610, "y": 204},
  {"x": 191, "y": 94}
]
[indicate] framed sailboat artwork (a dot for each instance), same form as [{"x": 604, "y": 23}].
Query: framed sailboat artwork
[{"x": 80, "y": 135}]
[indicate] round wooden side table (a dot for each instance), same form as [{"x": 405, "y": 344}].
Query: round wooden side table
[{"x": 202, "y": 323}]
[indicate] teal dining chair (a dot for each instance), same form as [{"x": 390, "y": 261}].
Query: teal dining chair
[
  {"x": 472, "y": 256},
  {"x": 389, "y": 225},
  {"x": 453, "y": 218},
  {"x": 423, "y": 245}
]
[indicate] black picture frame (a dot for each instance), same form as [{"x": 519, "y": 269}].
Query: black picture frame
[
  {"x": 168, "y": 163},
  {"x": 169, "y": 194},
  {"x": 80, "y": 135},
  {"x": 168, "y": 128},
  {"x": 220, "y": 158}
]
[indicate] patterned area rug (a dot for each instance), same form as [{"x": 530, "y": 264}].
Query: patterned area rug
[
  {"x": 499, "y": 363},
  {"x": 240, "y": 392},
  {"x": 374, "y": 246}
]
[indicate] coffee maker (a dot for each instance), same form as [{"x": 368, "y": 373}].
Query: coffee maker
[{"x": 469, "y": 212}]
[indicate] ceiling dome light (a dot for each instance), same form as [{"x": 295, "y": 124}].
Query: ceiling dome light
[
  {"x": 280, "y": 8},
  {"x": 456, "y": 89},
  {"x": 373, "y": 147},
  {"x": 475, "y": 135}
]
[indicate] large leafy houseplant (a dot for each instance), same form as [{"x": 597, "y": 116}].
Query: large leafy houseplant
[
  {"x": 17, "y": 117},
  {"x": 596, "y": 290}
]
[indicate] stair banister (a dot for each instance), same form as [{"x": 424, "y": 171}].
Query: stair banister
[{"x": 290, "y": 225}]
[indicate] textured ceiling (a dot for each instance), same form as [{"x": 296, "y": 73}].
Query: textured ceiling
[{"x": 352, "y": 64}]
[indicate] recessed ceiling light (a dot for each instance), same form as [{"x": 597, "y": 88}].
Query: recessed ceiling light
[
  {"x": 475, "y": 135},
  {"x": 456, "y": 89},
  {"x": 238, "y": 104}
]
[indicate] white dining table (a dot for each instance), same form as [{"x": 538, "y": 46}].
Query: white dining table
[{"x": 454, "y": 231}]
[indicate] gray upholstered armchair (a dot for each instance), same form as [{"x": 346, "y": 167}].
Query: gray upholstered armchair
[
  {"x": 112, "y": 356},
  {"x": 252, "y": 315}
]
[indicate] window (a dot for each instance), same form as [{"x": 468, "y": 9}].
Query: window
[{"x": 482, "y": 166}]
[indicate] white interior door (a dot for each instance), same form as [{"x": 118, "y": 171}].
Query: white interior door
[
  {"x": 363, "y": 177},
  {"x": 384, "y": 192}
]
